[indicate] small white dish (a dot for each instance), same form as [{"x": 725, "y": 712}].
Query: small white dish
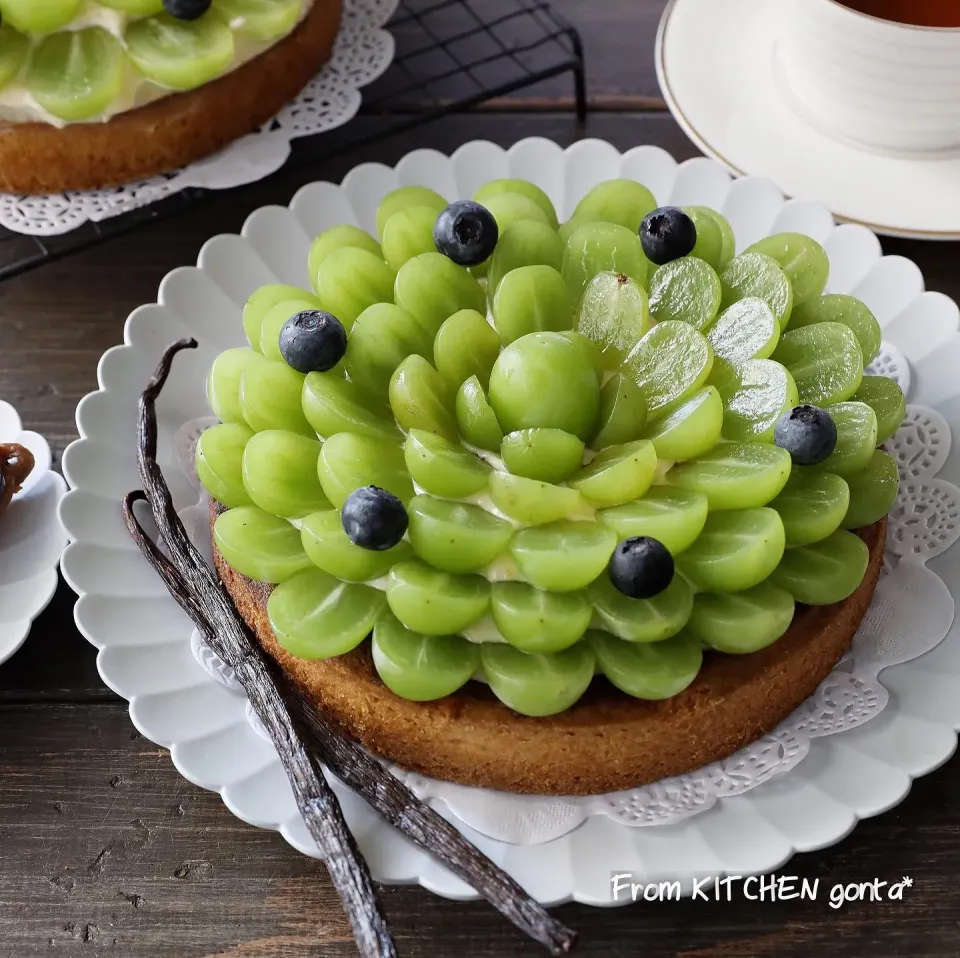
[
  {"x": 718, "y": 72},
  {"x": 31, "y": 538}
]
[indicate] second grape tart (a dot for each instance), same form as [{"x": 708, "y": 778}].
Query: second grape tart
[{"x": 707, "y": 395}]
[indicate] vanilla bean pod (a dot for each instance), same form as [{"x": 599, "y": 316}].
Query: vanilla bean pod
[{"x": 315, "y": 799}]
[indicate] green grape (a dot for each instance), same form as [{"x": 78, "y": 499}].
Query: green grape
[
  {"x": 618, "y": 474},
  {"x": 431, "y": 287},
  {"x": 735, "y": 475},
  {"x": 674, "y": 517},
  {"x": 270, "y": 398},
  {"x": 623, "y": 412},
  {"x": 420, "y": 399},
  {"x": 525, "y": 243},
  {"x": 546, "y": 454},
  {"x": 521, "y": 188},
  {"x": 476, "y": 420},
  {"x": 824, "y": 360},
  {"x": 856, "y": 426},
  {"x": 509, "y": 209},
  {"x": 14, "y": 47},
  {"x": 349, "y": 461},
  {"x": 601, "y": 248},
  {"x": 75, "y": 74},
  {"x": 669, "y": 364},
  {"x": 590, "y": 350},
  {"x": 382, "y": 338},
  {"x": 180, "y": 54},
  {"x": 620, "y": 201},
  {"x": 728, "y": 243},
  {"x": 742, "y": 623},
  {"x": 405, "y": 196},
  {"x": 873, "y": 492},
  {"x": 280, "y": 473},
  {"x": 531, "y": 501},
  {"x": 336, "y": 238},
  {"x": 745, "y": 330},
  {"x": 316, "y": 616},
  {"x": 274, "y": 321},
  {"x": 466, "y": 345},
  {"x": 421, "y": 668},
  {"x": 408, "y": 233},
  {"x": 811, "y": 506},
  {"x": 686, "y": 289},
  {"x": 737, "y": 550},
  {"x": 518, "y": 188},
  {"x": 757, "y": 275},
  {"x": 536, "y": 621},
  {"x": 755, "y": 394},
  {"x": 333, "y": 404},
  {"x": 531, "y": 299},
  {"x": 692, "y": 429},
  {"x": 654, "y": 671},
  {"x": 614, "y": 315},
  {"x": 433, "y": 602},
  {"x": 544, "y": 379},
  {"x": 851, "y": 312},
  {"x": 259, "y": 545},
  {"x": 259, "y": 20},
  {"x": 537, "y": 684},
  {"x": 455, "y": 536},
  {"x": 351, "y": 279},
  {"x": 443, "y": 468},
  {"x": 223, "y": 382},
  {"x": 39, "y": 16},
  {"x": 642, "y": 620},
  {"x": 825, "y": 572},
  {"x": 802, "y": 258},
  {"x": 330, "y": 549},
  {"x": 218, "y": 461},
  {"x": 887, "y": 401},
  {"x": 709, "y": 245},
  {"x": 543, "y": 553},
  {"x": 263, "y": 300}
]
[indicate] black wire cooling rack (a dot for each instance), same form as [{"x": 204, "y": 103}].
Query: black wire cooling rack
[{"x": 450, "y": 55}]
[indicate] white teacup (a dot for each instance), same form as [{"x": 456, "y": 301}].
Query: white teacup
[{"x": 890, "y": 87}]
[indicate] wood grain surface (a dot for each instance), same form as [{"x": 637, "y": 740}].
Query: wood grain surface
[{"x": 106, "y": 850}]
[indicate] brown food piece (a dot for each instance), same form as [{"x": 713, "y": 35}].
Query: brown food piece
[
  {"x": 608, "y": 741},
  {"x": 172, "y": 132},
  {"x": 16, "y": 463}
]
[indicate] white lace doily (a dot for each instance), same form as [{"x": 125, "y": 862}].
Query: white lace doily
[
  {"x": 924, "y": 522},
  {"x": 363, "y": 51}
]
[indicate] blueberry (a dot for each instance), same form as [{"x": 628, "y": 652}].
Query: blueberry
[
  {"x": 466, "y": 232},
  {"x": 808, "y": 433},
  {"x": 187, "y": 9},
  {"x": 373, "y": 518},
  {"x": 667, "y": 234},
  {"x": 641, "y": 567},
  {"x": 312, "y": 341}
]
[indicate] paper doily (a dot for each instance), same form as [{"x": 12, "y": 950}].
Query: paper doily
[
  {"x": 363, "y": 51},
  {"x": 924, "y": 522}
]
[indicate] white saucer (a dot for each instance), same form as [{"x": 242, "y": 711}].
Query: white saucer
[{"x": 716, "y": 67}]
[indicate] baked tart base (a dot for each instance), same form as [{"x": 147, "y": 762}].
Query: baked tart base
[{"x": 608, "y": 741}]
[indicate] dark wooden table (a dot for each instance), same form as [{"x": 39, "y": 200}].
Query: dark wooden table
[{"x": 106, "y": 850}]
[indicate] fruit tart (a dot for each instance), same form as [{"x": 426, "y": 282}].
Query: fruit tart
[
  {"x": 97, "y": 93},
  {"x": 16, "y": 464},
  {"x": 552, "y": 508}
]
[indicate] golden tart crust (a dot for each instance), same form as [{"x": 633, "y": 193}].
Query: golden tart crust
[
  {"x": 171, "y": 132},
  {"x": 608, "y": 741}
]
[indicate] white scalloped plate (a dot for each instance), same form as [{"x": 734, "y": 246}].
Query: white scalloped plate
[
  {"x": 31, "y": 538},
  {"x": 144, "y": 640}
]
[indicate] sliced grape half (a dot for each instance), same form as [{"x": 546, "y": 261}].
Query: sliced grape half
[
  {"x": 811, "y": 506},
  {"x": 744, "y": 622},
  {"x": 673, "y": 516},
  {"x": 433, "y": 602},
  {"x": 686, "y": 289},
  {"x": 534, "y": 620},
  {"x": 824, "y": 360},
  {"x": 872, "y": 491},
  {"x": 259, "y": 545},
  {"x": 455, "y": 536},
  {"x": 331, "y": 550},
  {"x": 349, "y": 461},
  {"x": 642, "y": 620},
  {"x": 563, "y": 556},
  {"x": 655, "y": 671},
  {"x": 443, "y": 468},
  {"x": 825, "y": 572}
]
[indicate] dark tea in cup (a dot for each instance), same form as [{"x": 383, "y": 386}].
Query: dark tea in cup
[{"x": 921, "y": 13}]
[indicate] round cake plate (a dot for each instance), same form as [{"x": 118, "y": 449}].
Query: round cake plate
[
  {"x": 144, "y": 639},
  {"x": 716, "y": 63},
  {"x": 31, "y": 538}
]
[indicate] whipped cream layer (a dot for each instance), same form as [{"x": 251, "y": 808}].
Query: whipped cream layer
[{"x": 17, "y": 104}]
